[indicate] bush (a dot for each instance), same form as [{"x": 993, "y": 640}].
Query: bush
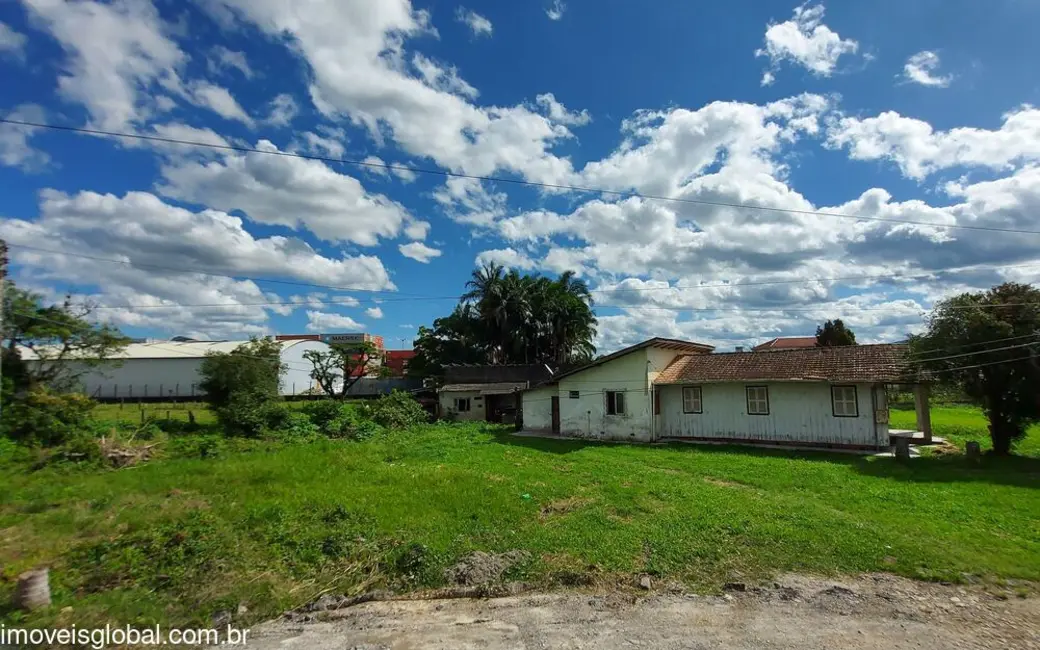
[
  {"x": 44, "y": 418},
  {"x": 398, "y": 410},
  {"x": 323, "y": 412},
  {"x": 297, "y": 428}
]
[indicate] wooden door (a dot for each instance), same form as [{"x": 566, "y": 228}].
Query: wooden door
[{"x": 556, "y": 414}]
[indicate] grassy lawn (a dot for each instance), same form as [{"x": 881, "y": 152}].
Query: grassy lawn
[
  {"x": 959, "y": 424},
  {"x": 175, "y": 541}
]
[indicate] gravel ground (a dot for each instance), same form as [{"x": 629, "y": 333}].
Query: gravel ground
[{"x": 873, "y": 611}]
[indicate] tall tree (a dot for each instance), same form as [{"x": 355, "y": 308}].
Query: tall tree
[
  {"x": 337, "y": 370},
  {"x": 506, "y": 317},
  {"x": 61, "y": 339},
  {"x": 834, "y": 333},
  {"x": 1005, "y": 382}
]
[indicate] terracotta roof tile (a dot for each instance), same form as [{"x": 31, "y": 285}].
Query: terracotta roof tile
[
  {"x": 887, "y": 362},
  {"x": 787, "y": 342}
]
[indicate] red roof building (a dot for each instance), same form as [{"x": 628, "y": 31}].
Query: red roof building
[
  {"x": 397, "y": 361},
  {"x": 787, "y": 343}
]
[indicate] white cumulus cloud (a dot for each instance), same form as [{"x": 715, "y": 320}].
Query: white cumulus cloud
[
  {"x": 479, "y": 25},
  {"x": 921, "y": 69},
  {"x": 419, "y": 252},
  {"x": 805, "y": 41}
]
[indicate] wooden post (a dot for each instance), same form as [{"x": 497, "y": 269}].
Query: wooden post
[
  {"x": 902, "y": 447},
  {"x": 972, "y": 450},
  {"x": 924, "y": 416},
  {"x": 142, "y": 416},
  {"x": 33, "y": 590}
]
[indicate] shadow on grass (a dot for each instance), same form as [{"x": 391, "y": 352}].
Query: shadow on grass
[{"x": 1021, "y": 471}]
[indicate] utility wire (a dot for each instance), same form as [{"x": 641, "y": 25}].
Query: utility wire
[
  {"x": 977, "y": 352},
  {"x": 496, "y": 179},
  {"x": 922, "y": 354}
]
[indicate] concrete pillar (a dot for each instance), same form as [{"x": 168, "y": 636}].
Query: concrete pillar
[{"x": 924, "y": 416}]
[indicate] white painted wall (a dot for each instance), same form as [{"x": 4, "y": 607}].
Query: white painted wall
[
  {"x": 297, "y": 377},
  {"x": 476, "y": 403},
  {"x": 135, "y": 378},
  {"x": 144, "y": 378},
  {"x": 798, "y": 412},
  {"x": 537, "y": 406},
  {"x": 585, "y": 416}
]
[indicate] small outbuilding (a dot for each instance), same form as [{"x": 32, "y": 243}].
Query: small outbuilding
[{"x": 487, "y": 392}]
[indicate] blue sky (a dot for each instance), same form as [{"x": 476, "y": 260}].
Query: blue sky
[{"x": 897, "y": 112}]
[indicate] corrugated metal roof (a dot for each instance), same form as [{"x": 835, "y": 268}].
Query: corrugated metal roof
[
  {"x": 884, "y": 363},
  {"x": 484, "y": 389},
  {"x": 175, "y": 349}
]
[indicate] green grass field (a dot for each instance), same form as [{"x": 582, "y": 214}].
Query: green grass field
[
  {"x": 959, "y": 424},
  {"x": 272, "y": 526}
]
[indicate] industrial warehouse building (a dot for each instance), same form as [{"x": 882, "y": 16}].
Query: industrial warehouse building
[{"x": 170, "y": 369}]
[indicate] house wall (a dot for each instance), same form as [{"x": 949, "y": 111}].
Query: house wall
[
  {"x": 799, "y": 412},
  {"x": 537, "y": 408},
  {"x": 476, "y": 402},
  {"x": 585, "y": 416}
]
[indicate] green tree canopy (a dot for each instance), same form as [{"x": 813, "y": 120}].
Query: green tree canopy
[
  {"x": 992, "y": 337},
  {"x": 343, "y": 365},
  {"x": 65, "y": 342},
  {"x": 834, "y": 333},
  {"x": 506, "y": 317}
]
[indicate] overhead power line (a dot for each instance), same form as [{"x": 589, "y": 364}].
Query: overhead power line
[
  {"x": 498, "y": 179},
  {"x": 922, "y": 354}
]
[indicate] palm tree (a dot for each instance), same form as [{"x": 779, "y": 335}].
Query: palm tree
[{"x": 506, "y": 317}]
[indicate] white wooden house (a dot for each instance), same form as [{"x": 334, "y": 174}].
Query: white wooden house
[{"x": 663, "y": 389}]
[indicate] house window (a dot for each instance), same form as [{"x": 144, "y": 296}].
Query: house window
[
  {"x": 844, "y": 402},
  {"x": 615, "y": 402},
  {"x": 574, "y": 394},
  {"x": 757, "y": 400},
  {"x": 691, "y": 399},
  {"x": 462, "y": 404}
]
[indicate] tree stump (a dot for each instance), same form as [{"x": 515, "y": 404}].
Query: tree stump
[
  {"x": 972, "y": 450},
  {"x": 902, "y": 448},
  {"x": 33, "y": 590}
]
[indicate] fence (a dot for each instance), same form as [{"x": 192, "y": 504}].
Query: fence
[{"x": 174, "y": 393}]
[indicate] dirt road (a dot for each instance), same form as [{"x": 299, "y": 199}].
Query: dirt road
[{"x": 877, "y": 611}]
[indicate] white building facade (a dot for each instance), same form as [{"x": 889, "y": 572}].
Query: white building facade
[
  {"x": 664, "y": 389},
  {"x": 170, "y": 369}
]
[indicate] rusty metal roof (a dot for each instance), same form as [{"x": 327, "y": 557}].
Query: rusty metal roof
[
  {"x": 883, "y": 363},
  {"x": 484, "y": 389}
]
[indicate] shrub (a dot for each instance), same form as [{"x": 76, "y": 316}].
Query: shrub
[
  {"x": 323, "y": 412},
  {"x": 398, "y": 410},
  {"x": 352, "y": 423},
  {"x": 297, "y": 428},
  {"x": 240, "y": 386},
  {"x": 42, "y": 417}
]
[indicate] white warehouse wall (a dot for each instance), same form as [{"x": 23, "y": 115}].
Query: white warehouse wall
[
  {"x": 179, "y": 377},
  {"x": 144, "y": 378}
]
